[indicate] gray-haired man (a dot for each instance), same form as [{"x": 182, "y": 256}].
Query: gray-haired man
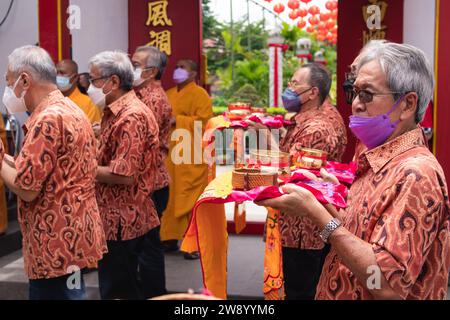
[{"x": 127, "y": 157}]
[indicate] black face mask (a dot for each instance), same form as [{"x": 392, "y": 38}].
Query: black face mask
[{"x": 348, "y": 90}]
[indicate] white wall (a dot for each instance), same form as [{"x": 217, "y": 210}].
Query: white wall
[
  {"x": 21, "y": 28},
  {"x": 419, "y": 25},
  {"x": 104, "y": 26}
]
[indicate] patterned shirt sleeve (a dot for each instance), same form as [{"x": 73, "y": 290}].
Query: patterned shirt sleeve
[
  {"x": 314, "y": 136},
  {"x": 407, "y": 228},
  {"x": 37, "y": 158},
  {"x": 130, "y": 145}
]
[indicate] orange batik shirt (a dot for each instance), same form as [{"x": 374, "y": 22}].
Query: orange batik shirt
[
  {"x": 129, "y": 147},
  {"x": 319, "y": 128},
  {"x": 399, "y": 204},
  {"x": 155, "y": 98},
  {"x": 62, "y": 227}
]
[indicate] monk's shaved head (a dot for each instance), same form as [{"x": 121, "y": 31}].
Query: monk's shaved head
[
  {"x": 67, "y": 66},
  {"x": 192, "y": 65}
]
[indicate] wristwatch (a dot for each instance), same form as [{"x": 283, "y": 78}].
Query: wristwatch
[{"x": 329, "y": 229}]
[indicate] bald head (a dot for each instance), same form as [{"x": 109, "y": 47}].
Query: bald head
[{"x": 67, "y": 67}]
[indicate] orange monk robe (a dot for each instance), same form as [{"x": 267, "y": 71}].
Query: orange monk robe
[
  {"x": 3, "y": 204},
  {"x": 189, "y": 105},
  {"x": 85, "y": 103}
]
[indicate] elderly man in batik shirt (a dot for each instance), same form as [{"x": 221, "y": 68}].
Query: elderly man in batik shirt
[
  {"x": 392, "y": 241},
  {"x": 54, "y": 179},
  {"x": 127, "y": 156}
]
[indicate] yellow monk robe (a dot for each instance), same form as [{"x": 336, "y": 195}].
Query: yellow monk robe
[
  {"x": 3, "y": 204},
  {"x": 85, "y": 103},
  {"x": 188, "y": 181}
]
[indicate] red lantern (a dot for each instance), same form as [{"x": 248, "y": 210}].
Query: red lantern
[
  {"x": 329, "y": 5},
  {"x": 330, "y": 37},
  {"x": 314, "y": 10},
  {"x": 293, "y": 14},
  {"x": 278, "y": 8},
  {"x": 310, "y": 29},
  {"x": 330, "y": 24},
  {"x": 305, "y": 1},
  {"x": 301, "y": 23},
  {"x": 324, "y": 16},
  {"x": 293, "y": 4},
  {"x": 320, "y": 38},
  {"x": 334, "y": 41},
  {"x": 335, "y": 30},
  {"x": 333, "y": 15},
  {"x": 335, "y": 5},
  {"x": 313, "y": 20},
  {"x": 302, "y": 12},
  {"x": 322, "y": 26}
]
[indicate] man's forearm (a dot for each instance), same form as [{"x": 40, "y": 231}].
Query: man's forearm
[
  {"x": 104, "y": 175},
  {"x": 9, "y": 175},
  {"x": 360, "y": 258}
]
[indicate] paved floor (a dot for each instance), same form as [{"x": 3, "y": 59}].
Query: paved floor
[{"x": 245, "y": 270}]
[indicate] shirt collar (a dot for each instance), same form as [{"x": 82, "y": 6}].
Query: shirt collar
[
  {"x": 51, "y": 98},
  {"x": 377, "y": 158},
  {"x": 124, "y": 100}
]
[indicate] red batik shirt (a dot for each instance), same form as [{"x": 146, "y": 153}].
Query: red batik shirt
[
  {"x": 154, "y": 97},
  {"x": 399, "y": 204},
  {"x": 319, "y": 128},
  {"x": 62, "y": 227},
  {"x": 128, "y": 147}
]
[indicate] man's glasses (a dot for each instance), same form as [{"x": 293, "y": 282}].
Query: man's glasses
[
  {"x": 366, "y": 96},
  {"x": 92, "y": 80}
]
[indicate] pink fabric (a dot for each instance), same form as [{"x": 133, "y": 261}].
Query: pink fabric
[
  {"x": 345, "y": 173},
  {"x": 271, "y": 122}
]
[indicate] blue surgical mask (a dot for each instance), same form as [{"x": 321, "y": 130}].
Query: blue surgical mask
[
  {"x": 292, "y": 101},
  {"x": 63, "y": 83}
]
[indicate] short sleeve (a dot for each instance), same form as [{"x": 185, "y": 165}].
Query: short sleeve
[
  {"x": 407, "y": 228},
  {"x": 37, "y": 158}
]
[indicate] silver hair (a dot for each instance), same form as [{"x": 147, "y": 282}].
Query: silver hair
[
  {"x": 116, "y": 63},
  {"x": 155, "y": 58},
  {"x": 34, "y": 60},
  {"x": 407, "y": 69}
]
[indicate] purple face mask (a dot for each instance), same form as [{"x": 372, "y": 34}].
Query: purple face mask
[
  {"x": 180, "y": 75},
  {"x": 374, "y": 131}
]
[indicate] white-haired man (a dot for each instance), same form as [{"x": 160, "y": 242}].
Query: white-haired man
[
  {"x": 54, "y": 179},
  {"x": 127, "y": 157},
  {"x": 393, "y": 241}
]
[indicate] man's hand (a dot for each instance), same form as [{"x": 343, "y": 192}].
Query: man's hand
[
  {"x": 296, "y": 201},
  {"x": 256, "y": 125},
  {"x": 97, "y": 129},
  {"x": 9, "y": 160}
]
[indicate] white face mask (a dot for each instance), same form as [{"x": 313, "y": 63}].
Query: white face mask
[
  {"x": 12, "y": 103},
  {"x": 63, "y": 83},
  {"x": 138, "y": 77},
  {"x": 97, "y": 96}
]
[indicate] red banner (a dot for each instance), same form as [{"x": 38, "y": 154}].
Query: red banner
[
  {"x": 442, "y": 104},
  {"x": 354, "y": 22},
  {"x": 175, "y": 27}
]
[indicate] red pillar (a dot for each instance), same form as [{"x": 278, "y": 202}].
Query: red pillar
[
  {"x": 442, "y": 98},
  {"x": 54, "y": 36},
  {"x": 350, "y": 42}
]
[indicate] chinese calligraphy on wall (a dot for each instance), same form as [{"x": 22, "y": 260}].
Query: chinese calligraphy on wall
[{"x": 158, "y": 17}]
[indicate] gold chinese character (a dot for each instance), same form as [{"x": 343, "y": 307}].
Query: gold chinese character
[
  {"x": 157, "y": 14},
  {"x": 161, "y": 40},
  {"x": 373, "y": 35}
]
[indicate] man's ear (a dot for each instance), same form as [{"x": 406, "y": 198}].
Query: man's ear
[
  {"x": 26, "y": 80},
  {"x": 314, "y": 93},
  {"x": 115, "y": 81},
  {"x": 409, "y": 106}
]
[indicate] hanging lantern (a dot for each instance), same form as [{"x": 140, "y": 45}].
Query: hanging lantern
[
  {"x": 329, "y": 5},
  {"x": 335, "y": 30},
  {"x": 334, "y": 41},
  {"x": 305, "y": 1},
  {"x": 301, "y": 24},
  {"x": 293, "y": 4},
  {"x": 330, "y": 24},
  {"x": 333, "y": 15},
  {"x": 321, "y": 38},
  {"x": 322, "y": 26},
  {"x": 302, "y": 13},
  {"x": 324, "y": 16},
  {"x": 310, "y": 29},
  {"x": 335, "y": 5},
  {"x": 313, "y": 20},
  {"x": 330, "y": 37},
  {"x": 278, "y": 8},
  {"x": 314, "y": 10},
  {"x": 293, "y": 15}
]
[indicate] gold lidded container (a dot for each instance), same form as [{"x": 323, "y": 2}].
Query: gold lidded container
[
  {"x": 311, "y": 159},
  {"x": 249, "y": 178},
  {"x": 272, "y": 161}
]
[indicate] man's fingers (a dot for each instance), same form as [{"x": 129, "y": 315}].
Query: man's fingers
[
  {"x": 328, "y": 177},
  {"x": 307, "y": 174}
]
